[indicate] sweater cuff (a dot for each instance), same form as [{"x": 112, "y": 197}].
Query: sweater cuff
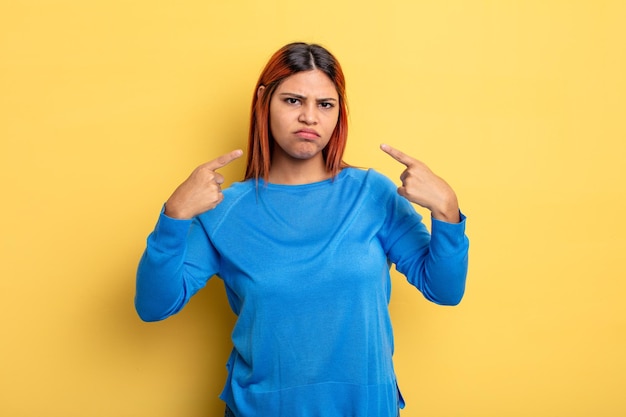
[
  {"x": 170, "y": 233},
  {"x": 448, "y": 238}
]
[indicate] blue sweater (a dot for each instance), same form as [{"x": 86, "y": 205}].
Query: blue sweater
[{"x": 306, "y": 270}]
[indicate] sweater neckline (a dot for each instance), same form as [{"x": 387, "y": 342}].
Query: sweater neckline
[{"x": 298, "y": 187}]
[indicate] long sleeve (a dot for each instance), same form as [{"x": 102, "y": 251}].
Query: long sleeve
[
  {"x": 315, "y": 254},
  {"x": 434, "y": 263},
  {"x": 439, "y": 269},
  {"x": 444, "y": 271},
  {"x": 177, "y": 262}
]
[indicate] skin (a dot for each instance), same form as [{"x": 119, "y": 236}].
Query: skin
[
  {"x": 421, "y": 186},
  {"x": 303, "y": 115},
  {"x": 202, "y": 191}
]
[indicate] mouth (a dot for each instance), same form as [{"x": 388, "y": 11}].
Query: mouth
[{"x": 307, "y": 134}]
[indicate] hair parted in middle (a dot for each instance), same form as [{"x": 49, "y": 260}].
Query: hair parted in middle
[{"x": 290, "y": 59}]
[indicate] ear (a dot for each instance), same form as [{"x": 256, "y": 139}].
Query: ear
[{"x": 260, "y": 91}]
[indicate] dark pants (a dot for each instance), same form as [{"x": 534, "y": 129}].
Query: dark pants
[{"x": 228, "y": 412}]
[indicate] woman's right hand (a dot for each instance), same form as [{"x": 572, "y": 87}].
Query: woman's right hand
[{"x": 201, "y": 191}]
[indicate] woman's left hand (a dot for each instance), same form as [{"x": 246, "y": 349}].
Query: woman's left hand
[{"x": 421, "y": 186}]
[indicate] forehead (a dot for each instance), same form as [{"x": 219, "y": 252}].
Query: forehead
[{"x": 312, "y": 83}]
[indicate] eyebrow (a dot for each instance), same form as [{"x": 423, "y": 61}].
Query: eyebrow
[{"x": 301, "y": 97}]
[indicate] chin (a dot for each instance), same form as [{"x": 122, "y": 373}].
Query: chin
[
  {"x": 305, "y": 154},
  {"x": 301, "y": 157}
]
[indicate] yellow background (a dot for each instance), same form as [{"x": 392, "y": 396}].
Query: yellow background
[{"x": 105, "y": 106}]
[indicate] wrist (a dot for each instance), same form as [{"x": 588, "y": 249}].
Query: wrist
[
  {"x": 451, "y": 217},
  {"x": 448, "y": 212},
  {"x": 172, "y": 212}
]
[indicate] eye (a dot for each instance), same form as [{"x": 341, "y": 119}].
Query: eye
[
  {"x": 326, "y": 105},
  {"x": 292, "y": 100}
]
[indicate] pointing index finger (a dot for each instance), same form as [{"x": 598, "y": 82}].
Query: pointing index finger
[
  {"x": 397, "y": 155},
  {"x": 224, "y": 160}
]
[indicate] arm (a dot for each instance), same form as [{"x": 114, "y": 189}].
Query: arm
[
  {"x": 437, "y": 264},
  {"x": 169, "y": 273},
  {"x": 439, "y": 270},
  {"x": 179, "y": 257}
]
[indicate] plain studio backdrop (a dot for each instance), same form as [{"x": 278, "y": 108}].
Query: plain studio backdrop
[{"x": 106, "y": 106}]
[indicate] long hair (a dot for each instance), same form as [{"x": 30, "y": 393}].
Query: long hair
[{"x": 290, "y": 59}]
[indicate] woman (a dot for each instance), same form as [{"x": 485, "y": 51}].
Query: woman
[{"x": 304, "y": 246}]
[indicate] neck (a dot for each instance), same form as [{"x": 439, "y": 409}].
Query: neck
[{"x": 291, "y": 171}]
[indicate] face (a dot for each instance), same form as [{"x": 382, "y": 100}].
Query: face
[{"x": 304, "y": 110}]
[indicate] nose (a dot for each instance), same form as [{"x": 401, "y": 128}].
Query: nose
[{"x": 307, "y": 115}]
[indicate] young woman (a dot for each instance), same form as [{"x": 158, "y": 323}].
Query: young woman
[{"x": 304, "y": 244}]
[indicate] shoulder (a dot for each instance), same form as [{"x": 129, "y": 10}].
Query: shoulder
[
  {"x": 369, "y": 175},
  {"x": 234, "y": 195},
  {"x": 239, "y": 188},
  {"x": 371, "y": 179}
]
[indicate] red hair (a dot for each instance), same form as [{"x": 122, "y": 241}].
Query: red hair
[{"x": 288, "y": 60}]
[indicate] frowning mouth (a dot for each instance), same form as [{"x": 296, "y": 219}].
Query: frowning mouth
[{"x": 307, "y": 134}]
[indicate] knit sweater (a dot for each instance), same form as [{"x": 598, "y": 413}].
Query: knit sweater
[{"x": 306, "y": 270}]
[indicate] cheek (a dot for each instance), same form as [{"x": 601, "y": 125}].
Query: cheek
[
  {"x": 333, "y": 122},
  {"x": 277, "y": 118},
  {"x": 276, "y": 125},
  {"x": 272, "y": 120}
]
